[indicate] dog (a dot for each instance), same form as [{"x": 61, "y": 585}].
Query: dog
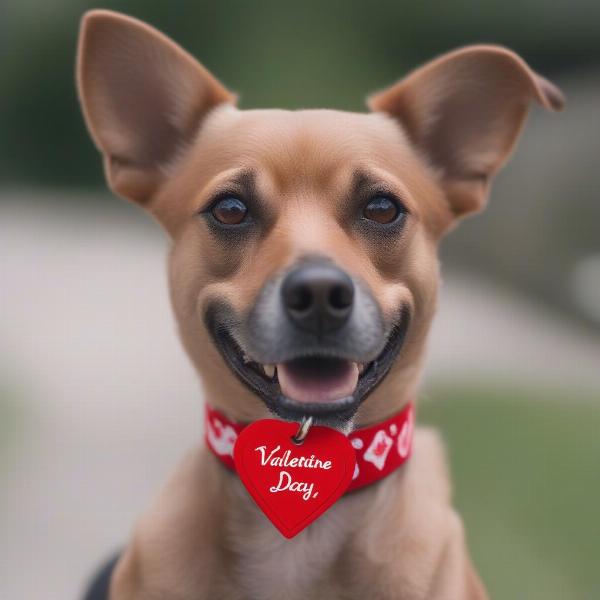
[{"x": 303, "y": 274}]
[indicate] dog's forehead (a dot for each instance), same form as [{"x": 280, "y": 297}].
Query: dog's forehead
[
  {"x": 291, "y": 152},
  {"x": 292, "y": 125},
  {"x": 303, "y": 142}
]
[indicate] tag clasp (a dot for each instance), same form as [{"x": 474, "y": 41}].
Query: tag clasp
[{"x": 303, "y": 429}]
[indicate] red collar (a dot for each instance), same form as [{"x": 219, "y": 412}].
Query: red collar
[{"x": 380, "y": 449}]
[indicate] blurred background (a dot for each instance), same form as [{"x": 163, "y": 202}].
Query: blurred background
[{"x": 97, "y": 400}]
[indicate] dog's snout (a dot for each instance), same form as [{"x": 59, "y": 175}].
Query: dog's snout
[{"x": 318, "y": 297}]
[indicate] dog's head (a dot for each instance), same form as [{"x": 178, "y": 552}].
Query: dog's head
[{"x": 304, "y": 266}]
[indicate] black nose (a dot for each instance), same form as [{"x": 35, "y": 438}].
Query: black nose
[{"x": 318, "y": 297}]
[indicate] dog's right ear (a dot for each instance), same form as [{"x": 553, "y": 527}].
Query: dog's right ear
[
  {"x": 143, "y": 99},
  {"x": 464, "y": 111}
]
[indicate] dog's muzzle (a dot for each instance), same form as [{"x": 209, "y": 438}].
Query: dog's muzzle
[{"x": 315, "y": 342}]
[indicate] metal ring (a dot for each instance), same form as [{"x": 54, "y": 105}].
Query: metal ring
[{"x": 302, "y": 432}]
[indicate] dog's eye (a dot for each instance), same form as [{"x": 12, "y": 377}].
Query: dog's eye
[
  {"x": 382, "y": 209},
  {"x": 229, "y": 211}
]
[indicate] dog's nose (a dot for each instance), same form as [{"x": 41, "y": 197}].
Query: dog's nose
[{"x": 318, "y": 297}]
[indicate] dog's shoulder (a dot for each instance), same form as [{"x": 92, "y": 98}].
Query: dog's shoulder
[
  {"x": 420, "y": 490},
  {"x": 408, "y": 524},
  {"x": 180, "y": 525}
]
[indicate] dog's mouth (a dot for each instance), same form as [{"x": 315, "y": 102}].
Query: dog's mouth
[
  {"x": 315, "y": 379},
  {"x": 328, "y": 387}
]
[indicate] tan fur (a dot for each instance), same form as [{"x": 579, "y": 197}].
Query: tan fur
[{"x": 171, "y": 138}]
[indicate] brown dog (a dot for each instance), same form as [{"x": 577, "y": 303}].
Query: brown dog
[{"x": 303, "y": 243}]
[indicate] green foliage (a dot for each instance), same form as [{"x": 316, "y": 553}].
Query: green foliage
[
  {"x": 525, "y": 466},
  {"x": 275, "y": 52}
]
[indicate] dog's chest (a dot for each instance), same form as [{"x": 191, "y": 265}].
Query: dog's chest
[{"x": 268, "y": 566}]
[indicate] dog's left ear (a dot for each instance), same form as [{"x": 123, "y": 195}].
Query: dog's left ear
[
  {"x": 143, "y": 97},
  {"x": 464, "y": 112}
]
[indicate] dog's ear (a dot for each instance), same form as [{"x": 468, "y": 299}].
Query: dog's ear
[
  {"x": 464, "y": 112},
  {"x": 143, "y": 98}
]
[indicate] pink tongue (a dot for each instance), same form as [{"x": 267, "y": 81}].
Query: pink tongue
[{"x": 316, "y": 385}]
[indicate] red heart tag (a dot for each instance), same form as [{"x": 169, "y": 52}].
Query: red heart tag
[{"x": 293, "y": 484}]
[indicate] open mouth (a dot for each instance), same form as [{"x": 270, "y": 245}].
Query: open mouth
[
  {"x": 317, "y": 379},
  {"x": 325, "y": 386}
]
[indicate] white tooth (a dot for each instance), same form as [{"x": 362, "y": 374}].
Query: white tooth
[
  {"x": 361, "y": 368},
  {"x": 269, "y": 370}
]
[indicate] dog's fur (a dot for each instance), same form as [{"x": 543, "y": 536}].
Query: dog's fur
[{"x": 172, "y": 137}]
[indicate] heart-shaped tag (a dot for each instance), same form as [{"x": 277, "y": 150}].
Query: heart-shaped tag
[{"x": 293, "y": 484}]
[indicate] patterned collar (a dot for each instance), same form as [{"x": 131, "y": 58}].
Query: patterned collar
[{"x": 380, "y": 449}]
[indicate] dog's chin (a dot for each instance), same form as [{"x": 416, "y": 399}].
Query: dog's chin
[{"x": 324, "y": 386}]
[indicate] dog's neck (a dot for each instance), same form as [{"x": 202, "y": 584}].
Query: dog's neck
[{"x": 255, "y": 571}]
